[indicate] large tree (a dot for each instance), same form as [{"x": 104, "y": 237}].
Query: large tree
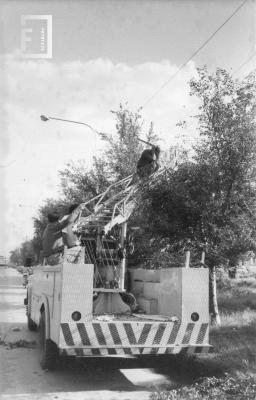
[
  {"x": 228, "y": 153},
  {"x": 210, "y": 203}
]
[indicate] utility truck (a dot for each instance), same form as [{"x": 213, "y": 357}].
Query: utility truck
[{"x": 84, "y": 309}]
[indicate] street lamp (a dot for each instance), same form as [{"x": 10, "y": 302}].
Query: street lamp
[{"x": 44, "y": 119}]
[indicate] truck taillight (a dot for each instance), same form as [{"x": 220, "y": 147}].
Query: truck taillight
[
  {"x": 76, "y": 316},
  {"x": 195, "y": 316}
]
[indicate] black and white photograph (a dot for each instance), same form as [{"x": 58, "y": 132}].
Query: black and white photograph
[{"x": 128, "y": 200}]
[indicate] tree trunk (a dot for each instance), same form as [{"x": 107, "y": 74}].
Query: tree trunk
[{"x": 214, "y": 311}]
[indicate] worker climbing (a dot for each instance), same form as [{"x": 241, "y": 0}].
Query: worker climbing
[{"x": 148, "y": 162}]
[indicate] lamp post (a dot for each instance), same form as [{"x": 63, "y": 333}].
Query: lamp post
[{"x": 44, "y": 119}]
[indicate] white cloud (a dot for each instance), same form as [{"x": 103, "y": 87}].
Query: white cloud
[{"x": 83, "y": 91}]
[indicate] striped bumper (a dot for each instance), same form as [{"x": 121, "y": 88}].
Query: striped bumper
[
  {"x": 110, "y": 351},
  {"x": 122, "y": 338}
]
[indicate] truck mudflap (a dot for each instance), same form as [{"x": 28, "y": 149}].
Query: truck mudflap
[{"x": 117, "y": 338}]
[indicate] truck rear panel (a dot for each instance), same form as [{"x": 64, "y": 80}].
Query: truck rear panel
[
  {"x": 68, "y": 288},
  {"x": 133, "y": 337}
]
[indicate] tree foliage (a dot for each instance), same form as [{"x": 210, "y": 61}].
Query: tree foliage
[
  {"x": 210, "y": 202},
  {"x": 80, "y": 184},
  {"x": 19, "y": 255},
  {"x": 227, "y": 153},
  {"x": 123, "y": 148},
  {"x": 15, "y": 256},
  {"x": 118, "y": 160},
  {"x": 58, "y": 207}
]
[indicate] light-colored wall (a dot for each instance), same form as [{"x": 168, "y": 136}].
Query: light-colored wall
[
  {"x": 77, "y": 291},
  {"x": 178, "y": 291},
  {"x": 170, "y": 292}
]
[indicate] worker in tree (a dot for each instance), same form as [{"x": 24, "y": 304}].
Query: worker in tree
[
  {"x": 53, "y": 237},
  {"x": 148, "y": 162}
]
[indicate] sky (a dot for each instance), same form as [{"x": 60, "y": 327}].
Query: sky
[{"x": 103, "y": 53}]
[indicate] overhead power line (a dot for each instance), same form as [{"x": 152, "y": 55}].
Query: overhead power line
[{"x": 194, "y": 54}]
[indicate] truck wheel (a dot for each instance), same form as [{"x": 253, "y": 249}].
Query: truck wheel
[
  {"x": 30, "y": 323},
  {"x": 48, "y": 350}
]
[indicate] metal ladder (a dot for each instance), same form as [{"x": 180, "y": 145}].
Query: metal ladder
[{"x": 100, "y": 214}]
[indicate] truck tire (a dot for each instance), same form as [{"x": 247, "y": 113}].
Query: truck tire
[
  {"x": 30, "y": 323},
  {"x": 48, "y": 350}
]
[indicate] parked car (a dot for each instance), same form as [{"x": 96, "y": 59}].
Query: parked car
[{"x": 25, "y": 279}]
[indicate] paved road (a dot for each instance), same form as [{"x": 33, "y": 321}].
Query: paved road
[{"x": 22, "y": 378}]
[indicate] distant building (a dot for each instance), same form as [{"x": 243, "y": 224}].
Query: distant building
[{"x": 3, "y": 261}]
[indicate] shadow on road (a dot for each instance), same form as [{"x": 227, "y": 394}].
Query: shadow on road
[{"x": 175, "y": 370}]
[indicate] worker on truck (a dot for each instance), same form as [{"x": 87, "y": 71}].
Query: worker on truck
[
  {"x": 69, "y": 237},
  {"x": 54, "y": 239},
  {"x": 148, "y": 162}
]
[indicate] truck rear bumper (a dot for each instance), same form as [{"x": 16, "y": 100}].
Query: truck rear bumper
[
  {"x": 133, "y": 338},
  {"x": 136, "y": 351}
]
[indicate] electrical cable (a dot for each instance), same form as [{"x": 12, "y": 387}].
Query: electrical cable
[
  {"x": 193, "y": 55},
  {"x": 44, "y": 118}
]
